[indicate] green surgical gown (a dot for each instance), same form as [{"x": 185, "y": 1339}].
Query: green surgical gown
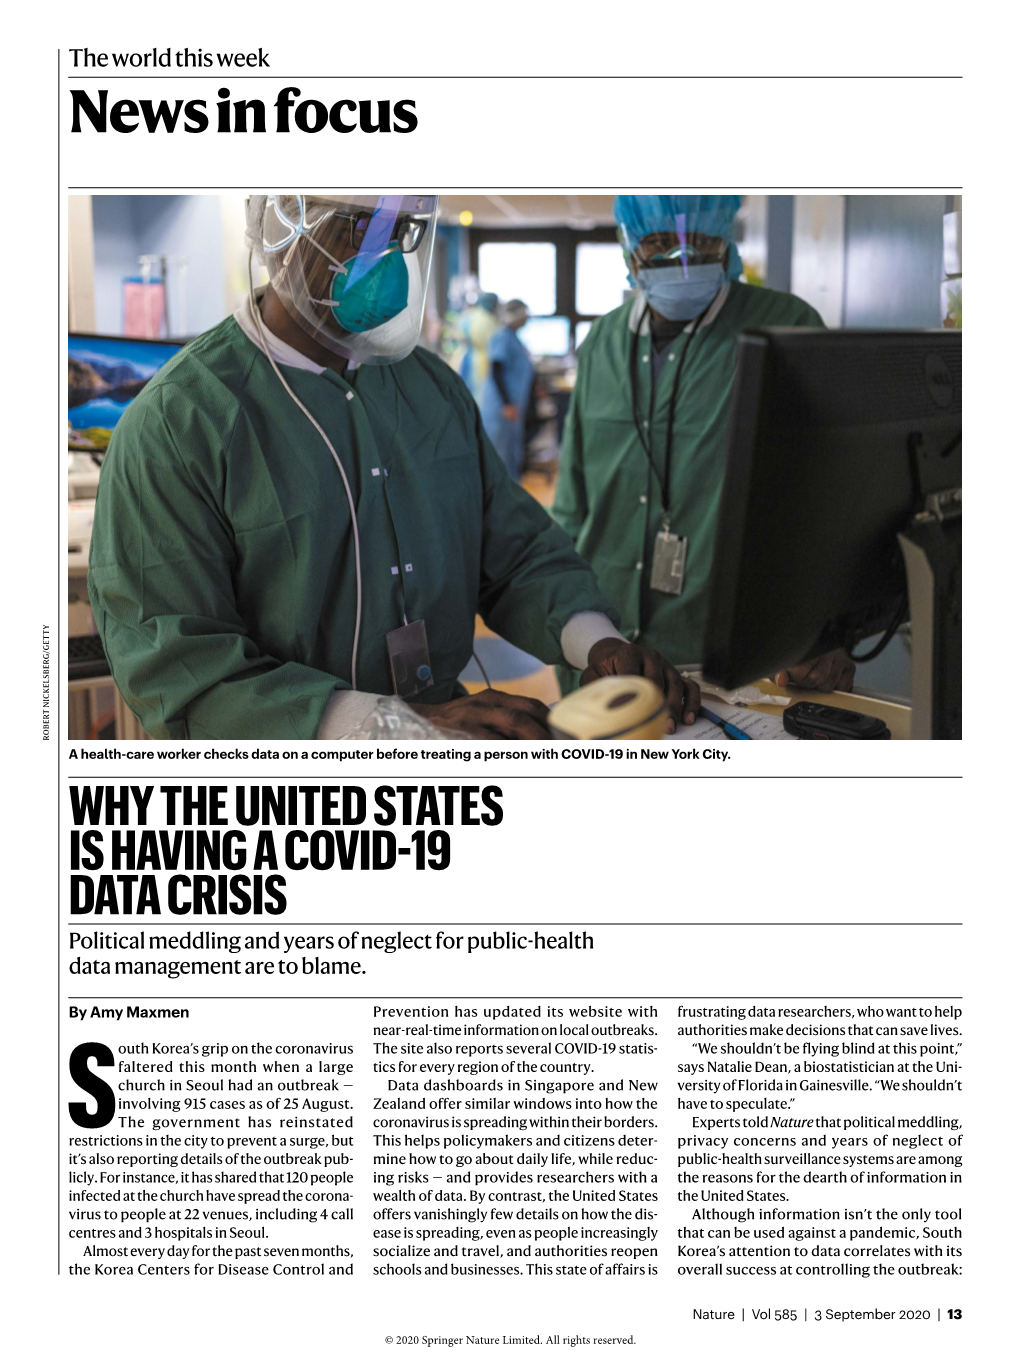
[
  {"x": 222, "y": 572},
  {"x": 608, "y": 498}
]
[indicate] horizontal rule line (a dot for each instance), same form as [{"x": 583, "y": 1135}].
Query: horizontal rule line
[
  {"x": 516, "y": 997},
  {"x": 203, "y": 73},
  {"x": 271, "y": 922},
  {"x": 530, "y": 188}
]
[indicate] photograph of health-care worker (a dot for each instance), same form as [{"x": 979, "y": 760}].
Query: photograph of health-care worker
[{"x": 371, "y": 463}]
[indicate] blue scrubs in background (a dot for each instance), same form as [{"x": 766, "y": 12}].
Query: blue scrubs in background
[{"x": 515, "y": 371}]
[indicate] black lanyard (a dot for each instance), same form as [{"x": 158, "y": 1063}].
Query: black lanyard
[{"x": 663, "y": 476}]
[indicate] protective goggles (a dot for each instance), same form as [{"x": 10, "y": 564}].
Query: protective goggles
[
  {"x": 666, "y": 249},
  {"x": 346, "y": 224}
]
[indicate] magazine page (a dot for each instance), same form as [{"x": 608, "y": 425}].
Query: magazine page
[{"x": 478, "y": 437}]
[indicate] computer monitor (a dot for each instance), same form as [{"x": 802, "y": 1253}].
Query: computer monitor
[
  {"x": 104, "y": 374},
  {"x": 841, "y": 505},
  {"x": 546, "y": 336}
]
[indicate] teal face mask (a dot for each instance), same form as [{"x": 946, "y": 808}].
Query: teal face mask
[{"x": 377, "y": 295}]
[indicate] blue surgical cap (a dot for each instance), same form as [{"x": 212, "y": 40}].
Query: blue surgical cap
[{"x": 641, "y": 214}]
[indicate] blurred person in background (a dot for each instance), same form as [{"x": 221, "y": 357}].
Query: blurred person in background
[
  {"x": 644, "y": 447},
  {"x": 477, "y": 326},
  {"x": 508, "y": 389}
]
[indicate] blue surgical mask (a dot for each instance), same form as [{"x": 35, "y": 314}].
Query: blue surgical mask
[{"x": 681, "y": 294}]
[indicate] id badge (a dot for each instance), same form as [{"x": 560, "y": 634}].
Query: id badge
[
  {"x": 410, "y": 667},
  {"x": 668, "y": 561}
]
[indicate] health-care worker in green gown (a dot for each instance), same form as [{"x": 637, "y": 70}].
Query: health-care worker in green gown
[
  {"x": 301, "y": 512},
  {"x": 644, "y": 447}
]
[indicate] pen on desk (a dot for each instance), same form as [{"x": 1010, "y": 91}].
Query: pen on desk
[{"x": 731, "y": 731}]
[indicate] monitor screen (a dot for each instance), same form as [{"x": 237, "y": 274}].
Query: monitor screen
[
  {"x": 103, "y": 376},
  {"x": 546, "y": 336},
  {"x": 838, "y": 440}
]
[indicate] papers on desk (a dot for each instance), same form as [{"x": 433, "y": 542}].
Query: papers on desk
[
  {"x": 738, "y": 696},
  {"x": 755, "y": 724}
]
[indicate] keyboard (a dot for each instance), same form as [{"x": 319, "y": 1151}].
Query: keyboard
[{"x": 86, "y": 658}]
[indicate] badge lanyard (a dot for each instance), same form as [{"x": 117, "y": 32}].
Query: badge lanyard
[
  {"x": 407, "y": 646},
  {"x": 670, "y": 553}
]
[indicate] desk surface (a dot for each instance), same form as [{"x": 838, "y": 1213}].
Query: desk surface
[
  {"x": 544, "y": 687},
  {"x": 896, "y": 717}
]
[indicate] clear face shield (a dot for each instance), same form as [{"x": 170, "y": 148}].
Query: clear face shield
[
  {"x": 352, "y": 270},
  {"x": 686, "y": 232},
  {"x": 679, "y": 268}
]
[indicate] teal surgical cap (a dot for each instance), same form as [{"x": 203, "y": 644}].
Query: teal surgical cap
[{"x": 641, "y": 214}]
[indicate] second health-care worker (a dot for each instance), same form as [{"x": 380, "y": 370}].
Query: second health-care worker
[
  {"x": 301, "y": 513},
  {"x": 644, "y": 448}
]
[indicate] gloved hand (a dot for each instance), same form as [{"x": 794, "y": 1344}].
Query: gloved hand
[
  {"x": 490, "y": 715},
  {"x": 617, "y": 658},
  {"x": 832, "y": 672}
]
